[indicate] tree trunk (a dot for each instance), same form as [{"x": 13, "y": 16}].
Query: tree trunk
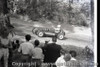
[
  {"x": 4, "y": 17},
  {"x": 3, "y": 6}
]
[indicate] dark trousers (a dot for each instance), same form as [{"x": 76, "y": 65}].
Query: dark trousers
[
  {"x": 25, "y": 59},
  {"x": 36, "y": 62}
]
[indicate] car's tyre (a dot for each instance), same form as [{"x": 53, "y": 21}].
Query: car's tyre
[
  {"x": 60, "y": 36},
  {"x": 40, "y": 33}
]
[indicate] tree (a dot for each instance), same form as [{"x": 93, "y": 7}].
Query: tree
[
  {"x": 86, "y": 9},
  {"x": 4, "y": 15}
]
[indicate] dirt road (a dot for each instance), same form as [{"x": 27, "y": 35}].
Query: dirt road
[{"x": 23, "y": 27}]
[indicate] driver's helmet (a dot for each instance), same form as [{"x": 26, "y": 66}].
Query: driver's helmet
[
  {"x": 57, "y": 30},
  {"x": 58, "y": 26}
]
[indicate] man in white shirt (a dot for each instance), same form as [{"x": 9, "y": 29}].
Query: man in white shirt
[
  {"x": 26, "y": 49},
  {"x": 37, "y": 51},
  {"x": 37, "y": 56},
  {"x": 61, "y": 62}
]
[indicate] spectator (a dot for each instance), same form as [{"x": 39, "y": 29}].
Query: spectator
[
  {"x": 16, "y": 56},
  {"x": 60, "y": 61},
  {"x": 37, "y": 54},
  {"x": 51, "y": 51},
  {"x": 16, "y": 45},
  {"x": 73, "y": 62},
  {"x": 4, "y": 46},
  {"x": 73, "y": 55},
  {"x": 26, "y": 49},
  {"x": 63, "y": 61},
  {"x": 67, "y": 57}
]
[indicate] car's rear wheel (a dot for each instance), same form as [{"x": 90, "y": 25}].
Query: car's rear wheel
[
  {"x": 40, "y": 33},
  {"x": 34, "y": 30},
  {"x": 60, "y": 36}
]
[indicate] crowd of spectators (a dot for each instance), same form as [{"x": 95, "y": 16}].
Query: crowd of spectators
[{"x": 29, "y": 53}]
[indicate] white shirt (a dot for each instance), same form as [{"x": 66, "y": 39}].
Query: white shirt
[
  {"x": 73, "y": 59},
  {"x": 4, "y": 41},
  {"x": 26, "y": 48},
  {"x": 37, "y": 53},
  {"x": 61, "y": 62}
]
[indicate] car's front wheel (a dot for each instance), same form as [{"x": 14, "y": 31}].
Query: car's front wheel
[
  {"x": 60, "y": 36},
  {"x": 40, "y": 33}
]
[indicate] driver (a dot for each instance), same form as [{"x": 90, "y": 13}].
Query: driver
[{"x": 57, "y": 30}]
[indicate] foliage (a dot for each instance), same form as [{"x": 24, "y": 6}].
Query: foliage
[
  {"x": 54, "y": 10},
  {"x": 86, "y": 9}
]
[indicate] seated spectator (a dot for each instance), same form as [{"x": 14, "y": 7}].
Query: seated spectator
[{"x": 73, "y": 55}]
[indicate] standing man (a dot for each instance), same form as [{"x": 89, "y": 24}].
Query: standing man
[
  {"x": 51, "y": 51},
  {"x": 26, "y": 49},
  {"x": 37, "y": 54},
  {"x": 4, "y": 45}
]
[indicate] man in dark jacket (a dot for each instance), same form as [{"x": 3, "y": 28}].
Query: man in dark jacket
[{"x": 51, "y": 51}]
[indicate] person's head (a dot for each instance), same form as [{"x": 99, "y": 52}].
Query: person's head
[
  {"x": 17, "y": 44},
  {"x": 17, "y": 41},
  {"x": 54, "y": 39},
  {"x": 4, "y": 33},
  {"x": 36, "y": 43},
  {"x": 67, "y": 57},
  {"x": 73, "y": 53},
  {"x": 28, "y": 37}
]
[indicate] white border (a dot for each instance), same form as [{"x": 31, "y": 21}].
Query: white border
[{"x": 95, "y": 32}]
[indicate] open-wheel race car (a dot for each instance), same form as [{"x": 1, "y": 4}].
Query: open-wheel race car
[{"x": 42, "y": 31}]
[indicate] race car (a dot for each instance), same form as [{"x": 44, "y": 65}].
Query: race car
[{"x": 42, "y": 31}]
